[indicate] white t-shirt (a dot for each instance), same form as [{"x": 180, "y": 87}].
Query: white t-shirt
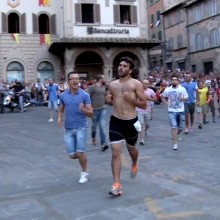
[{"x": 173, "y": 95}]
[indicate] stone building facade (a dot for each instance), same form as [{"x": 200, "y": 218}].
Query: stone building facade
[
  {"x": 22, "y": 55},
  {"x": 176, "y": 38},
  {"x": 89, "y": 36},
  {"x": 97, "y": 33},
  {"x": 156, "y": 31},
  {"x": 204, "y": 35},
  {"x": 192, "y": 35}
]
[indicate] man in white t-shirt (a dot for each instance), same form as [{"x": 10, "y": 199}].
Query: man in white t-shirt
[{"x": 174, "y": 96}]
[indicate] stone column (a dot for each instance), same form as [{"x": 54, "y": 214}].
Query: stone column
[
  {"x": 142, "y": 72},
  {"x": 143, "y": 69},
  {"x": 69, "y": 63},
  {"x": 108, "y": 73},
  {"x": 68, "y": 18}
]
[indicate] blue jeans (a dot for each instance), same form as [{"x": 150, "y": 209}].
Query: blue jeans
[
  {"x": 75, "y": 140},
  {"x": 20, "y": 98},
  {"x": 99, "y": 119},
  {"x": 176, "y": 119}
]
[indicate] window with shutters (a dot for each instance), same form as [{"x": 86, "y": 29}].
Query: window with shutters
[
  {"x": 199, "y": 42},
  {"x": 125, "y": 14},
  {"x": 158, "y": 15},
  {"x": 170, "y": 44},
  {"x": 169, "y": 20},
  {"x": 44, "y": 26},
  {"x": 197, "y": 13},
  {"x": 160, "y": 35},
  {"x": 178, "y": 16},
  {"x": 212, "y": 7},
  {"x": 152, "y": 19},
  {"x": 215, "y": 40},
  {"x": 13, "y": 23},
  {"x": 87, "y": 13},
  {"x": 179, "y": 41}
]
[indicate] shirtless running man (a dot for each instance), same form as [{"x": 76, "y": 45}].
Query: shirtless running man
[{"x": 125, "y": 94}]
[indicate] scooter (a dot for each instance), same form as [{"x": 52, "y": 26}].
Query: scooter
[{"x": 11, "y": 100}]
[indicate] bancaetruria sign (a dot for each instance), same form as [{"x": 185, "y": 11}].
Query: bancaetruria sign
[{"x": 92, "y": 30}]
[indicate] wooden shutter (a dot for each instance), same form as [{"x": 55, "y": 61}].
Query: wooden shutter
[
  {"x": 96, "y": 13},
  {"x": 116, "y": 14},
  {"x": 134, "y": 15},
  {"x": 53, "y": 24},
  {"x": 23, "y": 24},
  {"x": 35, "y": 24},
  {"x": 78, "y": 13},
  {"x": 4, "y": 23}
]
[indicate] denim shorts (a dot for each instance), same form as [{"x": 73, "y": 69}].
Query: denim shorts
[
  {"x": 176, "y": 119},
  {"x": 52, "y": 105},
  {"x": 75, "y": 140}
]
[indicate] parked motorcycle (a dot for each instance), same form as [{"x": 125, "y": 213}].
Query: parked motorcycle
[{"x": 11, "y": 100}]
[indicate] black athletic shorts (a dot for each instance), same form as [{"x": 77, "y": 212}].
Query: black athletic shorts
[{"x": 121, "y": 129}]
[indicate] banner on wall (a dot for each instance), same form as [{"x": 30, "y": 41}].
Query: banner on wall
[
  {"x": 16, "y": 37},
  {"x": 45, "y": 39},
  {"x": 44, "y": 3}
]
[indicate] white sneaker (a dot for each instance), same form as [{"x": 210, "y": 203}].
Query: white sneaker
[
  {"x": 175, "y": 147},
  {"x": 142, "y": 142},
  {"x": 50, "y": 120},
  {"x": 83, "y": 177}
]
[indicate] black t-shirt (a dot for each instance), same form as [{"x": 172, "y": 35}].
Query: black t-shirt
[{"x": 17, "y": 87}]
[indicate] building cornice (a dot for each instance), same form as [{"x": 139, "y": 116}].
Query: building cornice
[
  {"x": 173, "y": 8},
  {"x": 59, "y": 47}
]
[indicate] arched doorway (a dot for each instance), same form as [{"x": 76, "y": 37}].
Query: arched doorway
[
  {"x": 45, "y": 71},
  {"x": 15, "y": 71},
  {"x": 89, "y": 64},
  {"x": 116, "y": 61}
]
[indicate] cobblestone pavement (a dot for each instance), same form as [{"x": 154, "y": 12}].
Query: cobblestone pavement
[{"x": 39, "y": 182}]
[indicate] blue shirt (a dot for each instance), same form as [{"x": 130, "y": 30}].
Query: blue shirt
[
  {"x": 52, "y": 92},
  {"x": 191, "y": 88},
  {"x": 74, "y": 117}
]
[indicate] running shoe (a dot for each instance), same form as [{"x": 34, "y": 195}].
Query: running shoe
[
  {"x": 191, "y": 130},
  {"x": 104, "y": 147},
  {"x": 83, "y": 177},
  {"x": 116, "y": 190},
  {"x": 179, "y": 130},
  {"x": 134, "y": 170},
  {"x": 186, "y": 131},
  {"x": 142, "y": 142},
  {"x": 175, "y": 147}
]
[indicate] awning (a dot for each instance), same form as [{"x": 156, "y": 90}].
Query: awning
[{"x": 59, "y": 47}]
